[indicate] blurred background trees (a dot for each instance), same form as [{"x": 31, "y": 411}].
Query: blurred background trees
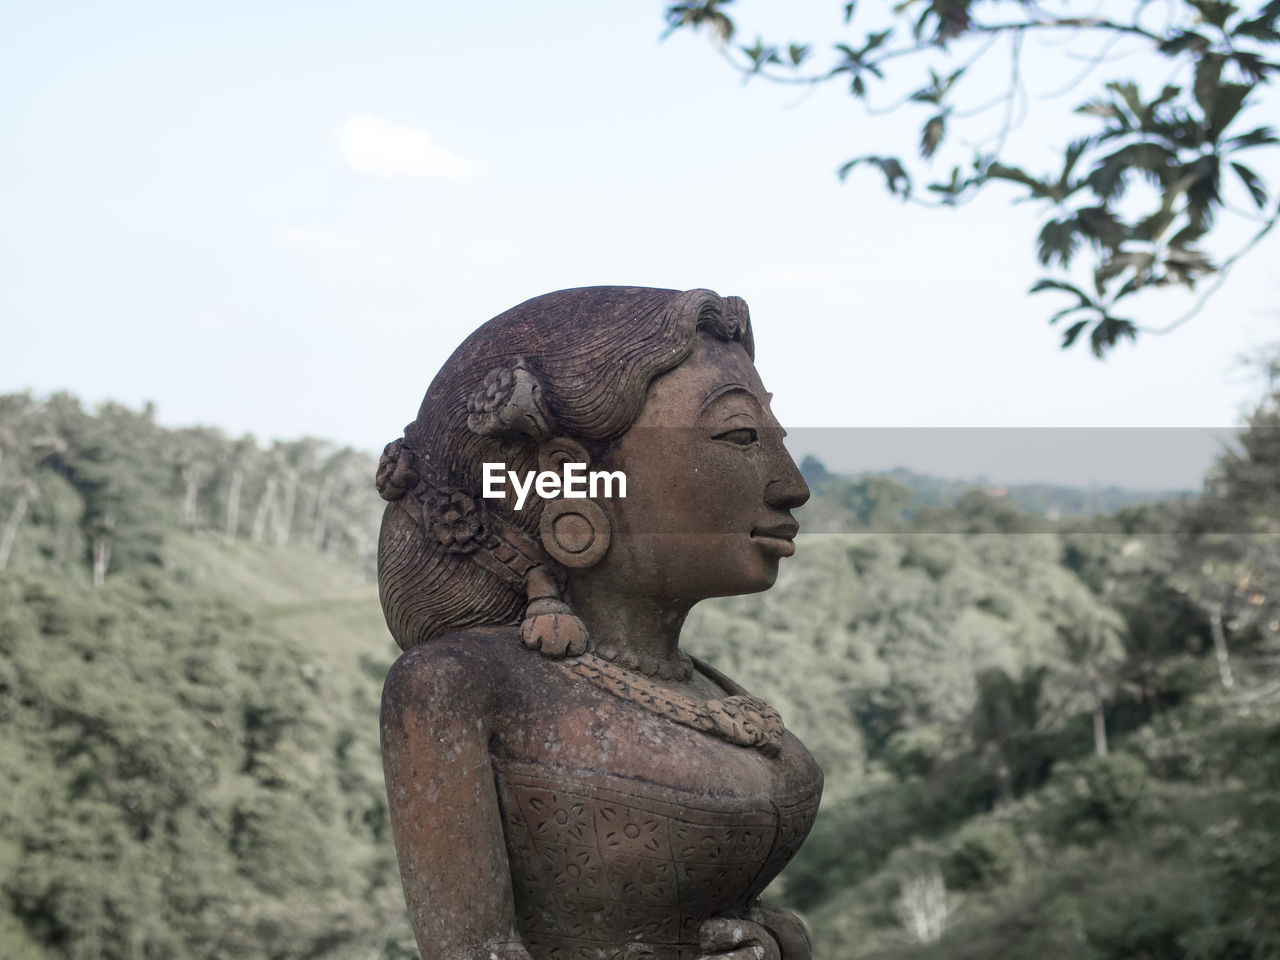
[
  {"x": 111, "y": 485},
  {"x": 1039, "y": 734}
]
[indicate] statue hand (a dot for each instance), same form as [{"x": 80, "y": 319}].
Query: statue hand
[
  {"x": 785, "y": 927},
  {"x": 508, "y": 951},
  {"x": 730, "y": 938}
]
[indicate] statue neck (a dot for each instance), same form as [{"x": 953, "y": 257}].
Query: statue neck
[{"x": 646, "y": 626}]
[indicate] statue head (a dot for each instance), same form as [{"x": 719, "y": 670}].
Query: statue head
[{"x": 658, "y": 385}]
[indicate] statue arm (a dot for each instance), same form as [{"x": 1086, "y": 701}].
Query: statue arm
[{"x": 444, "y": 807}]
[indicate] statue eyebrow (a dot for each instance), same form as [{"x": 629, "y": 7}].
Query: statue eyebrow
[{"x": 724, "y": 389}]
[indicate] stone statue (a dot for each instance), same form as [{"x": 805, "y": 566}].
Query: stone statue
[{"x": 564, "y": 781}]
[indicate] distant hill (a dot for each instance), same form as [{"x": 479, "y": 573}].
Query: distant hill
[{"x": 844, "y": 502}]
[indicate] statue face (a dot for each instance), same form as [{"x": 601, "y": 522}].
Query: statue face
[{"x": 710, "y": 486}]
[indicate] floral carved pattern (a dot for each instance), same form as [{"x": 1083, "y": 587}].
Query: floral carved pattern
[{"x": 455, "y": 519}]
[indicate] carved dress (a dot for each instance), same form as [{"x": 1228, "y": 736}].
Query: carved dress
[{"x": 624, "y": 830}]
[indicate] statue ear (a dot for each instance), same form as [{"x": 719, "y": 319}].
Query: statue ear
[{"x": 575, "y": 531}]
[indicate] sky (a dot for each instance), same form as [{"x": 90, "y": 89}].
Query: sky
[{"x": 281, "y": 219}]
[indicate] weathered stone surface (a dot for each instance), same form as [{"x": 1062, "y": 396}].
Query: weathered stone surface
[{"x": 564, "y": 781}]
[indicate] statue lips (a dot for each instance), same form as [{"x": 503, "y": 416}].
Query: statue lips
[{"x": 779, "y": 538}]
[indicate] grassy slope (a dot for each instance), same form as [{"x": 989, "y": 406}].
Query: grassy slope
[{"x": 323, "y": 604}]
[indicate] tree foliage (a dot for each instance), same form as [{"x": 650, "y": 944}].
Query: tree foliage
[
  {"x": 182, "y": 781},
  {"x": 1190, "y": 139},
  {"x": 95, "y": 492}
]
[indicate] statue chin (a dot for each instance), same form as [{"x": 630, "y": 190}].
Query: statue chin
[{"x": 563, "y": 779}]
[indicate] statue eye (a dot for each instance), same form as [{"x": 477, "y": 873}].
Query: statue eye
[{"x": 740, "y": 436}]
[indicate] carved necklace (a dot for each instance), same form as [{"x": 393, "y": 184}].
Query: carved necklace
[
  {"x": 681, "y": 669},
  {"x": 741, "y": 718}
]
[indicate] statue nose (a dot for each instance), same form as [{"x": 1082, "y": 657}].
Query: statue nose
[{"x": 788, "y": 490}]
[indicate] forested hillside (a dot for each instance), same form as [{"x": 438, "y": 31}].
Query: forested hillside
[
  {"x": 1041, "y": 738},
  {"x": 98, "y": 492}
]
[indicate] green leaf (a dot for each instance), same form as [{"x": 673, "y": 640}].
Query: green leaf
[
  {"x": 1101, "y": 225},
  {"x": 937, "y": 88},
  {"x": 1139, "y": 261},
  {"x": 1185, "y": 265},
  {"x": 875, "y": 40},
  {"x": 1187, "y": 235},
  {"x": 1204, "y": 194},
  {"x": 1048, "y": 284},
  {"x": 1131, "y": 286},
  {"x": 917, "y": 30},
  {"x": 1259, "y": 28},
  {"x": 1254, "y": 68},
  {"x": 848, "y": 10},
  {"x": 932, "y": 134},
  {"x": 798, "y": 52},
  {"x": 761, "y": 55},
  {"x": 951, "y": 189},
  {"x": 1225, "y": 107},
  {"x": 1108, "y": 332},
  {"x": 897, "y": 180},
  {"x": 1107, "y": 178},
  {"x": 1072, "y": 332},
  {"x": 1189, "y": 257},
  {"x": 1259, "y": 137},
  {"x": 953, "y": 19},
  {"x": 1075, "y": 150},
  {"x": 1128, "y": 91},
  {"x": 1099, "y": 108},
  {"x": 1215, "y": 12},
  {"x": 1152, "y": 228},
  {"x": 1058, "y": 241},
  {"x": 1039, "y": 189},
  {"x": 1253, "y": 183},
  {"x": 695, "y": 13},
  {"x": 1208, "y": 78},
  {"x": 1183, "y": 40}
]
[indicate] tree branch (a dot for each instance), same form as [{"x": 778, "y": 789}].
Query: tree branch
[
  {"x": 1071, "y": 23},
  {"x": 1223, "y": 270}
]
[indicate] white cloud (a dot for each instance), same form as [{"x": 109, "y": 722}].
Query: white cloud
[{"x": 376, "y": 148}]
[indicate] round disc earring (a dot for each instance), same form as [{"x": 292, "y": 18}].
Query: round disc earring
[{"x": 575, "y": 532}]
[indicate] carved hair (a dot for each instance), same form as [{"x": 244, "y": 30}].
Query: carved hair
[{"x": 592, "y": 353}]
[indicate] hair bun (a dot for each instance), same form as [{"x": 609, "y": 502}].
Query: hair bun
[
  {"x": 509, "y": 404},
  {"x": 397, "y": 471}
]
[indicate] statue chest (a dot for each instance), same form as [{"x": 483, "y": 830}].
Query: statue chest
[{"x": 625, "y": 830}]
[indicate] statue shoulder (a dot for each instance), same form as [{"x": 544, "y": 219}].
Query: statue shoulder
[{"x": 462, "y": 673}]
